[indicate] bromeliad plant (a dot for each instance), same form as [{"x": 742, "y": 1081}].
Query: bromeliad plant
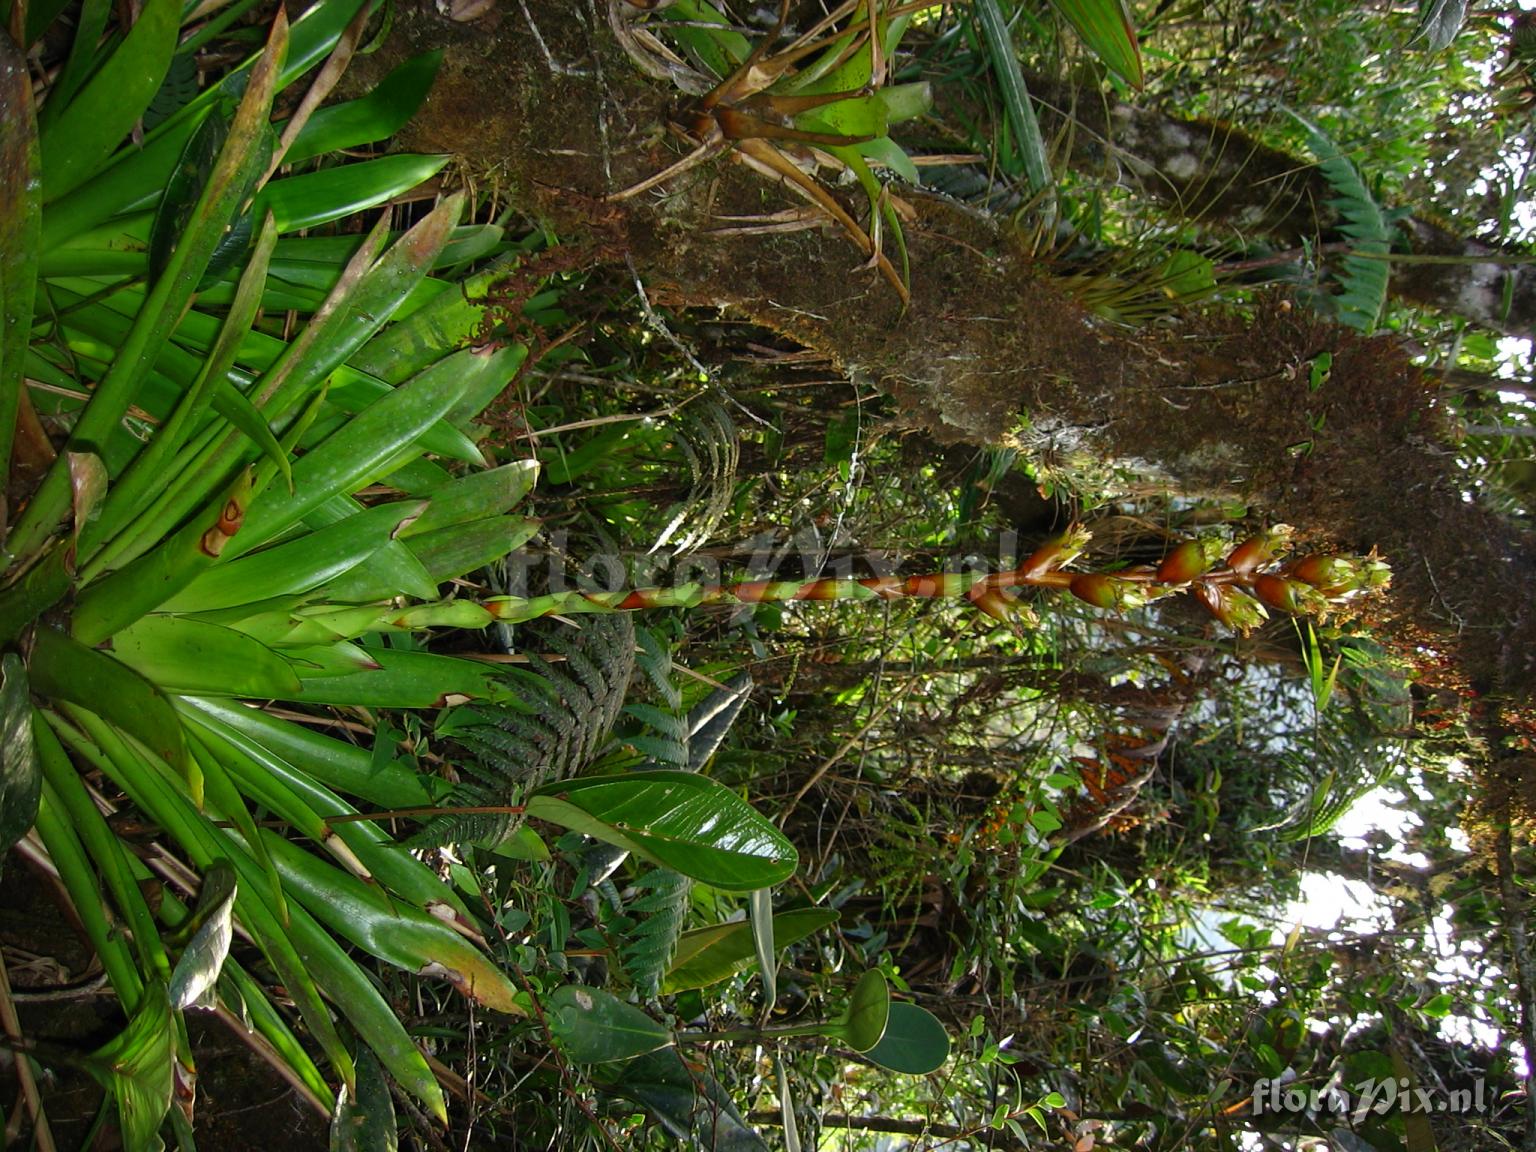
[
  {"x": 823, "y": 100},
  {"x": 229, "y": 491}
]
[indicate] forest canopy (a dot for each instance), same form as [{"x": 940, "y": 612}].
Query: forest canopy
[{"x": 848, "y": 575}]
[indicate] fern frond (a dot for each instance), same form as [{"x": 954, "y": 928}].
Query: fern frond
[
  {"x": 1363, "y": 272},
  {"x": 654, "y": 657},
  {"x": 564, "y": 708},
  {"x": 647, "y": 953},
  {"x": 706, "y": 437}
]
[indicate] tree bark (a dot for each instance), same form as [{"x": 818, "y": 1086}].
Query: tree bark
[
  {"x": 1218, "y": 176},
  {"x": 992, "y": 348}
]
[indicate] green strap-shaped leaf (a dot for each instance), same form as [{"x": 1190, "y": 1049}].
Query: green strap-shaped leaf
[
  {"x": 182, "y": 191},
  {"x": 134, "y": 488},
  {"x": 678, "y": 820},
  {"x": 365, "y": 447},
  {"x": 376, "y": 116},
  {"x": 391, "y": 930},
  {"x": 297, "y": 566},
  {"x": 1107, "y": 29},
  {"x": 241, "y": 163},
  {"x": 1028, "y": 143},
  {"x": 20, "y": 228},
  {"x": 211, "y": 928},
  {"x": 708, "y": 955},
  {"x": 183, "y": 655},
  {"x": 491, "y": 492},
  {"x": 444, "y": 555},
  {"x": 316, "y": 198},
  {"x": 96, "y": 121},
  {"x": 121, "y": 597},
  {"x": 405, "y": 679},
  {"x": 291, "y": 792},
  {"x": 339, "y": 765},
  {"x": 290, "y": 946},
  {"x": 65, "y": 669},
  {"x": 138, "y": 1067}
]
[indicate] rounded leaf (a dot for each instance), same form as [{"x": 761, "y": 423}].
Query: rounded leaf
[
  {"x": 594, "y": 1027},
  {"x": 914, "y": 1041},
  {"x": 868, "y": 1012}
]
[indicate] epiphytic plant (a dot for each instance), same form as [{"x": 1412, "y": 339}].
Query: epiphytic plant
[{"x": 824, "y": 100}]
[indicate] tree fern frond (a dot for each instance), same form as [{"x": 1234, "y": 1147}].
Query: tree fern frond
[{"x": 564, "y": 710}]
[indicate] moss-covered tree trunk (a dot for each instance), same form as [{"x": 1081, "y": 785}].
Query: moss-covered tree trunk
[{"x": 991, "y": 347}]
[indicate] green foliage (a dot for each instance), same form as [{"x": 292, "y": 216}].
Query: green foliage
[
  {"x": 1364, "y": 269},
  {"x": 553, "y": 728}
]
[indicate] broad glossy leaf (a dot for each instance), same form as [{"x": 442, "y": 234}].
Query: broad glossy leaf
[
  {"x": 185, "y": 655},
  {"x": 914, "y": 1041},
  {"x": 316, "y": 198},
  {"x": 202, "y": 959},
  {"x": 595, "y": 1027},
  {"x": 1108, "y": 31},
  {"x": 79, "y": 140},
  {"x": 708, "y": 955},
  {"x": 364, "y": 1121},
  {"x": 138, "y": 1067},
  {"x": 868, "y": 1012},
  {"x": 1440, "y": 21},
  {"x": 679, "y": 820},
  {"x": 688, "y": 1101},
  {"x": 710, "y": 721},
  {"x": 20, "y": 781}
]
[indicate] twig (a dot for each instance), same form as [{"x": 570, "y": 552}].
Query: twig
[{"x": 41, "y": 1133}]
